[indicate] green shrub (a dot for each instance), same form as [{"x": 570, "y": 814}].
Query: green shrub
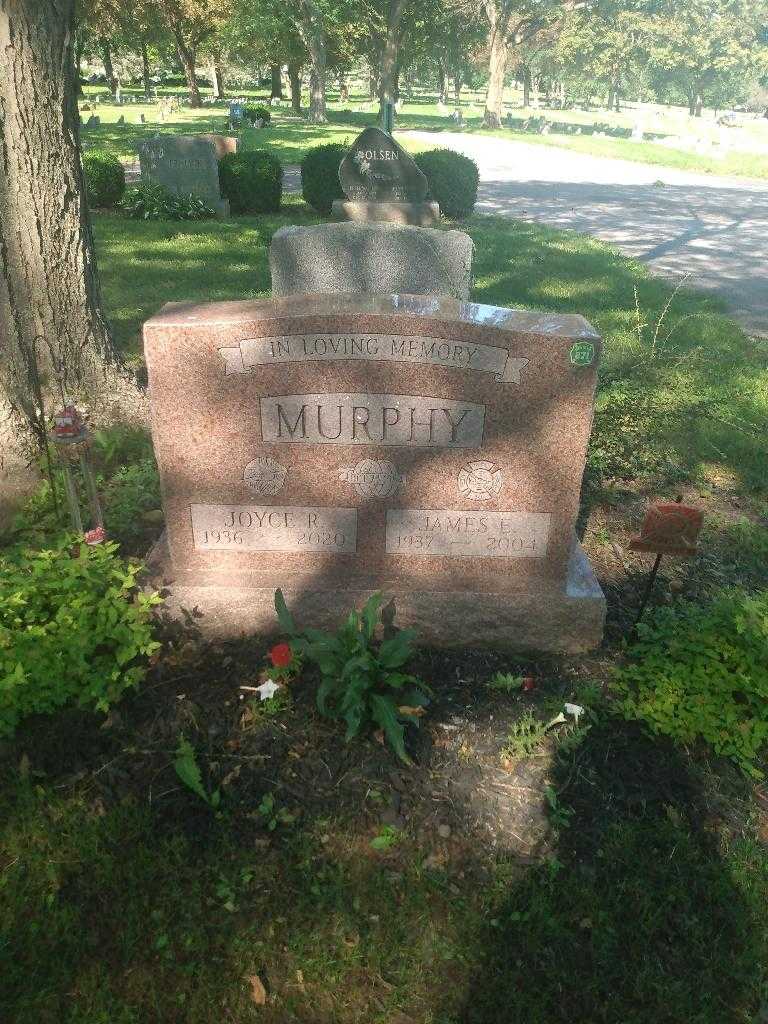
[
  {"x": 253, "y": 114},
  {"x": 156, "y": 202},
  {"x": 627, "y": 440},
  {"x": 702, "y": 672},
  {"x": 452, "y": 180},
  {"x": 320, "y": 183},
  {"x": 104, "y": 177},
  {"x": 252, "y": 181},
  {"x": 73, "y": 629},
  {"x": 132, "y": 491},
  {"x": 360, "y": 677}
]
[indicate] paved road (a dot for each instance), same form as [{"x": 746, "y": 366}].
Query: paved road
[{"x": 715, "y": 229}]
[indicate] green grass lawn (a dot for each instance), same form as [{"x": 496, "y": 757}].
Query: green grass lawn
[
  {"x": 124, "y": 899},
  {"x": 290, "y": 137}
]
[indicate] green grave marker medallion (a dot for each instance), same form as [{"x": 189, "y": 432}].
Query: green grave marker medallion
[{"x": 582, "y": 353}]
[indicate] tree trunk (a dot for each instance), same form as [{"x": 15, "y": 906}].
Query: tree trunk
[
  {"x": 310, "y": 26},
  {"x": 611, "y": 94},
  {"x": 497, "y": 66},
  {"x": 294, "y": 77},
  {"x": 389, "y": 68},
  {"x": 79, "y": 42},
  {"x": 698, "y": 105},
  {"x": 109, "y": 71},
  {"x": 343, "y": 88},
  {"x": 275, "y": 73},
  {"x": 442, "y": 82},
  {"x": 373, "y": 83},
  {"x": 536, "y": 85},
  {"x": 187, "y": 57},
  {"x": 526, "y": 86},
  {"x": 56, "y": 342},
  {"x": 145, "y": 70},
  {"x": 458, "y": 81}
]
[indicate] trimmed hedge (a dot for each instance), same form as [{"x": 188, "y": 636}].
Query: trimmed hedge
[
  {"x": 104, "y": 177},
  {"x": 254, "y": 114},
  {"x": 320, "y": 176},
  {"x": 252, "y": 181},
  {"x": 452, "y": 180}
]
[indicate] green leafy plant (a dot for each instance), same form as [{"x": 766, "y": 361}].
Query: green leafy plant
[
  {"x": 452, "y": 179},
  {"x": 130, "y": 494},
  {"x": 252, "y": 181},
  {"x": 559, "y": 815},
  {"x": 505, "y": 682},
  {"x": 272, "y": 814},
  {"x": 156, "y": 202},
  {"x": 74, "y": 629},
  {"x": 701, "y": 672},
  {"x": 524, "y": 738},
  {"x": 627, "y": 441},
  {"x": 320, "y": 183},
  {"x": 188, "y": 770},
  {"x": 253, "y": 114},
  {"x": 387, "y": 837},
  {"x": 104, "y": 178},
  {"x": 361, "y": 679}
]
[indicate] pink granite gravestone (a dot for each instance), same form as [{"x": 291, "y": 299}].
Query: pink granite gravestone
[{"x": 334, "y": 445}]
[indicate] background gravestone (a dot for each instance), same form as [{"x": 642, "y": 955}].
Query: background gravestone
[
  {"x": 337, "y": 445},
  {"x": 184, "y": 164},
  {"x": 382, "y": 183},
  {"x": 370, "y": 259}
]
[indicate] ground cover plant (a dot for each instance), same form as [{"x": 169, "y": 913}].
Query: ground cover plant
[{"x": 523, "y": 868}]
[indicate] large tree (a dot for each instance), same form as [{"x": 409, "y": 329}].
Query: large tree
[
  {"x": 193, "y": 23},
  {"x": 55, "y": 339},
  {"x": 700, "y": 45}
]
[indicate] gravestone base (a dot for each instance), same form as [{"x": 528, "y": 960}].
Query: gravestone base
[
  {"x": 220, "y": 207},
  {"x": 419, "y": 214},
  {"x": 567, "y": 620}
]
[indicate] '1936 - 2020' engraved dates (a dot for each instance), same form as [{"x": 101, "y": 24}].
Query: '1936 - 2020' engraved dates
[
  {"x": 450, "y": 534},
  {"x": 242, "y": 528}
]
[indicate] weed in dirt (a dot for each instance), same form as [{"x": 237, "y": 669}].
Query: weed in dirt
[{"x": 524, "y": 738}]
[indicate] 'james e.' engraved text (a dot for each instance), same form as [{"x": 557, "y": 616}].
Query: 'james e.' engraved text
[
  {"x": 456, "y": 534},
  {"x": 407, "y": 420}
]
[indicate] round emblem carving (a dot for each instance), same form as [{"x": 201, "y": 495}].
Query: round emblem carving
[
  {"x": 264, "y": 475},
  {"x": 372, "y": 478},
  {"x": 480, "y": 481}
]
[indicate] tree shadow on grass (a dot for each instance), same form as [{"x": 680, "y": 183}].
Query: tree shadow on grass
[{"x": 638, "y": 920}]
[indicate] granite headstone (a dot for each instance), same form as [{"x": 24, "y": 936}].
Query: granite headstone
[
  {"x": 338, "y": 445},
  {"x": 382, "y": 182},
  {"x": 184, "y": 164}
]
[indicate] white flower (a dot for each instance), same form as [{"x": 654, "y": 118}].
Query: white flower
[
  {"x": 574, "y": 709},
  {"x": 267, "y": 689}
]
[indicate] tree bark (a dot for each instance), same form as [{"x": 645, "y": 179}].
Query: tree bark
[
  {"x": 55, "y": 338},
  {"x": 442, "y": 82},
  {"x": 294, "y": 77},
  {"x": 187, "y": 57},
  {"x": 343, "y": 88},
  {"x": 312, "y": 31},
  {"x": 457, "y": 84},
  {"x": 109, "y": 71},
  {"x": 497, "y": 65},
  {"x": 526, "y": 86},
  {"x": 275, "y": 73},
  {"x": 145, "y": 69},
  {"x": 373, "y": 83},
  {"x": 389, "y": 69}
]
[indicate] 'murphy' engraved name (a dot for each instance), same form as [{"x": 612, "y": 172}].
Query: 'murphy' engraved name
[
  {"x": 406, "y": 420},
  {"x": 251, "y": 352}
]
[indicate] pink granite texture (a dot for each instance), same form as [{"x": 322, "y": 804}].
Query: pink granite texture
[{"x": 207, "y": 428}]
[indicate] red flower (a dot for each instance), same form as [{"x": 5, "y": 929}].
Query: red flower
[
  {"x": 281, "y": 655},
  {"x": 96, "y": 536},
  {"x": 529, "y": 683}
]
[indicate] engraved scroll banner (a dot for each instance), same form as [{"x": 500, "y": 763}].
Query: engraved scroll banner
[
  {"x": 467, "y": 534},
  {"x": 274, "y": 528},
  {"x": 400, "y": 348}
]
